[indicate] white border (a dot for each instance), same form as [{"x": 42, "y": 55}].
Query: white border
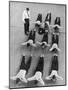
[{"x": 4, "y": 43}]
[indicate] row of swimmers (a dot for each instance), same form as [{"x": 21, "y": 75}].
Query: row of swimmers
[
  {"x": 44, "y": 30},
  {"x": 44, "y": 42},
  {"x": 38, "y": 72}
]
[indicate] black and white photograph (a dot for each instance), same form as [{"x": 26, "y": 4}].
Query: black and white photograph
[{"x": 37, "y": 44}]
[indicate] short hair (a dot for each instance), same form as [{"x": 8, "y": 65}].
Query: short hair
[{"x": 27, "y": 9}]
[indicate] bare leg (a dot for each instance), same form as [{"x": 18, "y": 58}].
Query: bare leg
[
  {"x": 20, "y": 75},
  {"x": 59, "y": 77},
  {"x": 32, "y": 78},
  {"x": 57, "y": 48},
  {"x": 14, "y": 77},
  {"x": 38, "y": 77},
  {"x": 50, "y": 76},
  {"x": 39, "y": 42},
  {"x": 25, "y": 43},
  {"x": 54, "y": 46},
  {"x": 41, "y": 81},
  {"x": 46, "y": 44},
  {"x": 53, "y": 26},
  {"x": 33, "y": 44},
  {"x": 29, "y": 41},
  {"x": 54, "y": 72}
]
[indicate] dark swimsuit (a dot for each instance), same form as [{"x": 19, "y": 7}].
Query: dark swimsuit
[
  {"x": 40, "y": 65},
  {"x": 32, "y": 36},
  {"x": 25, "y": 66},
  {"x": 54, "y": 65}
]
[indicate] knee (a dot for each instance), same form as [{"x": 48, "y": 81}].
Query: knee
[
  {"x": 38, "y": 74},
  {"x": 31, "y": 41},
  {"x": 55, "y": 45}
]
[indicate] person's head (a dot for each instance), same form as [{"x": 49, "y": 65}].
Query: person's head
[{"x": 27, "y": 9}]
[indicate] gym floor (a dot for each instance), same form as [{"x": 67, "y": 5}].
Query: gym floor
[{"x": 17, "y": 37}]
